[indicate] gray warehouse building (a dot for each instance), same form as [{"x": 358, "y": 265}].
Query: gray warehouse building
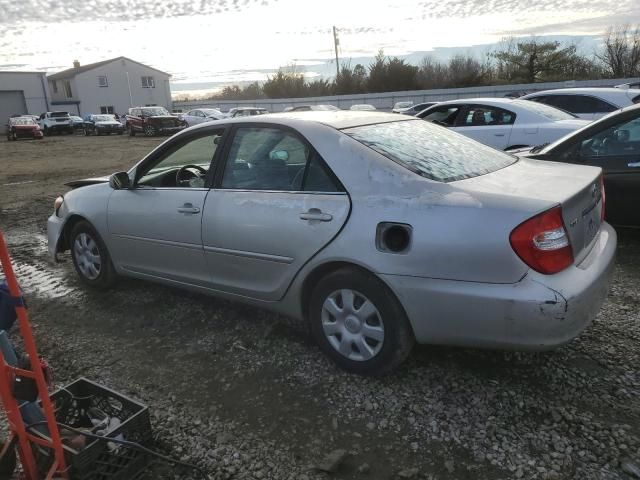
[{"x": 21, "y": 93}]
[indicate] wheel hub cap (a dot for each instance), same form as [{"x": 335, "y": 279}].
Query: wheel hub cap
[
  {"x": 352, "y": 325},
  {"x": 87, "y": 256}
]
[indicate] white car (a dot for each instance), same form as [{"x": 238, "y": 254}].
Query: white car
[
  {"x": 55, "y": 122},
  {"x": 587, "y": 103},
  {"x": 503, "y": 123},
  {"x": 400, "y": 107},
  {"x": 363, "y": 107},
  {"x": 201, "y": 115}
]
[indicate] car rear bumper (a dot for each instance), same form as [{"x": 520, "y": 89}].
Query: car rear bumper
[
  {"x": 538, "y": 312},
  {"x": 59, "y": 128}
]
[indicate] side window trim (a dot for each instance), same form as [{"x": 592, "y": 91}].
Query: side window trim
[{"x": 230, "y": 135}]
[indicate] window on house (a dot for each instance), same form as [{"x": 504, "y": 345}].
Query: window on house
[
  {"x": 107, "y": 109},
  {"x": 54, "y": 85},
  {"x": 102, "y": 81},
  {"x": 67, "y": 89},
  {"x": 148, "y": 82}
]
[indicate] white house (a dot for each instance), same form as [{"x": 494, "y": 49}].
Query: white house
[
  {"x": 111, "y": 86},
  {"x": 21, "y": 93}
]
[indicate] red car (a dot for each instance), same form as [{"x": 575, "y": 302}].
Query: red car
[{"x": 23, "y": 127}]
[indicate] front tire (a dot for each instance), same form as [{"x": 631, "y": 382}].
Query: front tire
[
  {"x": 359, "y": 323},
  {"x": 150, "y": 130},
  {"x": 90, "y": 256}
]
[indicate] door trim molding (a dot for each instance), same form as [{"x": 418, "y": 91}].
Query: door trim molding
[
  {"x": 190, "y": 246},
  {"x": 254, "y": 255}
]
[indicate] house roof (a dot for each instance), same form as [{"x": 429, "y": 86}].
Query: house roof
[{"x": 72, "y": 72}]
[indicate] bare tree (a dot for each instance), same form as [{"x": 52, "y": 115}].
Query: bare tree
[{"x": 621, "y": 52}]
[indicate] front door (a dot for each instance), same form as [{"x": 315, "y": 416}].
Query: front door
[
  {"x": 156, "y": 226},
  {"x": 617, "y": 151},
  {"x": 276, "y": 205}
]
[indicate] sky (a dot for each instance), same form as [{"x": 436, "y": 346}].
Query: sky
[{"x": 212, "y": 42}]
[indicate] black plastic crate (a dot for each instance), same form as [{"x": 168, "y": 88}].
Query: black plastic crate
[{"x": 97, "y": 461}]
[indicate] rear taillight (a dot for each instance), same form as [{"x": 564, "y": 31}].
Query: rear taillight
[
  {"x": 602, "y": 198},
  {"x": 542, "y": 242}
]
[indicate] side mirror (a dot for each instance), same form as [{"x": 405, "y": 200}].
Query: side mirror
[
  {"x": 120, "y": 181},
  {"x": 279, "y": 155}
]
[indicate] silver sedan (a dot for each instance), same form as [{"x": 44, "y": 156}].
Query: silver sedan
[{"x": 378, "y": 230}]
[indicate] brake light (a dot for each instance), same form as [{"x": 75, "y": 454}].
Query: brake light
[
  {"x": 602, "y": 198},
  {"x": 542, "y": 242}
]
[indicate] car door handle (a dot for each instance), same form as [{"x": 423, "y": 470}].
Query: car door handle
[
  {"x": 317, "y": 215},
  {"x": 188, "y": 208}
]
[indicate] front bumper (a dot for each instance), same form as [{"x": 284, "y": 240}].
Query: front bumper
[
  {"x": 110, "y": 129},
  {"x": 55, "y": 226},
  {"x": 537, "y": 313},
  {"x": 60, "y": 128}
]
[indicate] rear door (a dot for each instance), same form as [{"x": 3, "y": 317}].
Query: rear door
[
  {"x": 486, "y": 124},
  {"x": 275, "y": 205}
]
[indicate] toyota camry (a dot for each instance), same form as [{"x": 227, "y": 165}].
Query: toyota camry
[{"x": 379, "y": 230}]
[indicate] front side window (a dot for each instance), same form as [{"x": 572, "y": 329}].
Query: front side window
[
  {"x": 186, "y": 166},
  {"x": 432, "y": 152},
  {"x": 479, "y": 115},
  {"x": 445, "y": 115},
  {"x": 102, "y": 81},
  {"x": 274, "y": 159},
  {"x": 148, "y": 82},
  {"x": 619, "y": 140}
]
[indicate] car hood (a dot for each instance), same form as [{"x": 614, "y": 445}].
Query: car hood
[
  {"x": 26, "y": 127},
  {"x": 86, "y": 181},
  {"x": 164, "y": 117}
]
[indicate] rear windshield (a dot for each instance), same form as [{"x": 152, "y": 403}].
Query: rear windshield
[
  {"x": 547, "y": 111},
  {"x": 430, "y": 150},
  {"x": 59, "y": 114}
]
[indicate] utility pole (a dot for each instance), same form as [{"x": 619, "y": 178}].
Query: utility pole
[{"x": 336, "y": 42}]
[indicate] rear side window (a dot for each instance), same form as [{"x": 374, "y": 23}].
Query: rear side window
[{"x": 431, "y": 151}]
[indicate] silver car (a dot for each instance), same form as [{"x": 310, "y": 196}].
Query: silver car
[{"x": 378, "y": 229}]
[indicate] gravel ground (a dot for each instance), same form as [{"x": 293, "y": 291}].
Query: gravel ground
[{"x": 246, "y": 395}]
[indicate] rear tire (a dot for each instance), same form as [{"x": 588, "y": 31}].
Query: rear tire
[
  {"x": 359, "y": 323},
  {"x": 150, "y": 131},
  {"x": 90, "y": 256}
]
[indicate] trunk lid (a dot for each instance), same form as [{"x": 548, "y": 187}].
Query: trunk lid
[{"x": 534, "y": 186}]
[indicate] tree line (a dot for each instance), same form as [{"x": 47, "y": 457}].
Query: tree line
[{"x": 514, "y": 61}]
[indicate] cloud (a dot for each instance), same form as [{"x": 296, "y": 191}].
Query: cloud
[{"x": 12, "y": 12}]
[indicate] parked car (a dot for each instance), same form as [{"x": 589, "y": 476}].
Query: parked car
[
  {"x": 400, "y": 107},
  {"x": 379, "y": 230},
  {"x": 246, "y": 112},
  {"x": 415, "y": 109},
  {"x": 364, "y": 107},
  {"x": 153, "y": 121},
  {"x": 23, "y": 127},
  {"x": 55, "y": 122},
  {"x": 77, "y": 123},
  {"x": 200, "y": 115},
  {"x": 102, "y": 124},
  {"x": 587, "y": 103},
  {"x": 503, "y": 123},
  {"x": 613, "y": 144},
  {"x": 312, "y": 108},
  {"x": 629, "y": 85}
]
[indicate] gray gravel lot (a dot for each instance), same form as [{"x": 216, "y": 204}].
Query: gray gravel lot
[{"x": 246, "y": 395}]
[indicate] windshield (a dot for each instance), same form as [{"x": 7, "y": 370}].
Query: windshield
[
  {"x": 104, "y": 118},
  {"x": 155, "y": 111},
  {"x": 431, "y": 151},
  {"x": 330, "y": 108},
  {"x": 404, "y": 104},
  {"x": 59, "y": 114},
  {"x": 23, "y": 121},
  {"x": 547, "y": 111},
  {"x": 211, "y": 111}
]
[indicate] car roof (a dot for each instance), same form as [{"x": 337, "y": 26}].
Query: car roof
[
  {"x": 584, "y": 90},
  {"x": 337, "y": 119}
]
